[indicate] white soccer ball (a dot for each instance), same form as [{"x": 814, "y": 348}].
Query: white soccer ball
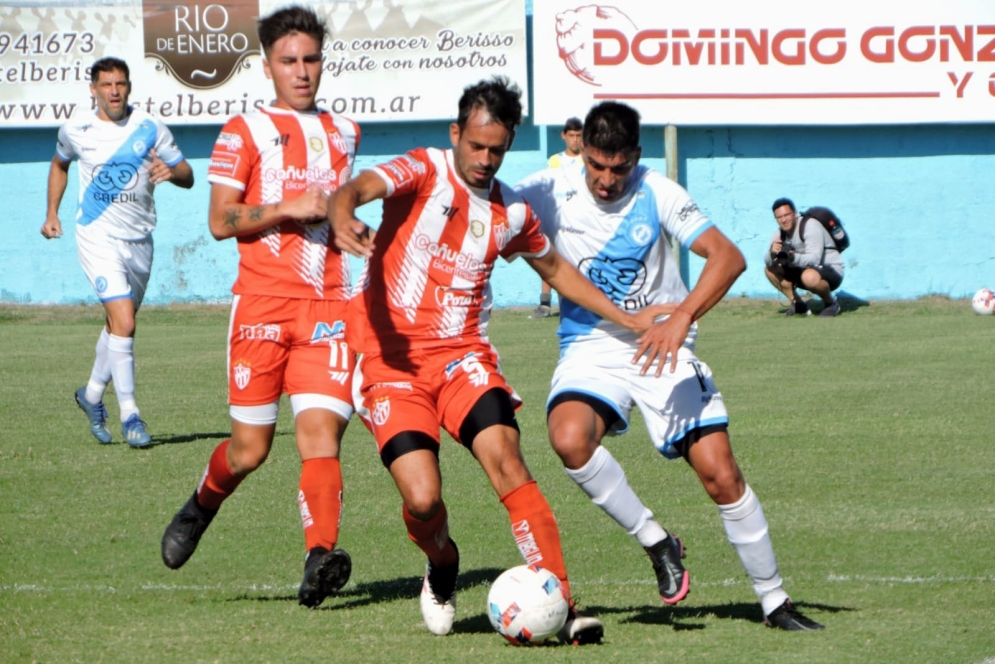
[
  {"x": 984, "y": 302},
  {"x": 526, "y": 604}
]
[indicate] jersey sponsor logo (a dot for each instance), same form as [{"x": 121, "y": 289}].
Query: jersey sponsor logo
[
  {"x": 445, "y": 254},
  {"x": 242, "y": 373},
  {"x": 230, "y": 141},
  {"x": 573, "y": 229},
  {"x": 381, "y": 411},
  {"x": 641, "y": 234},
  {"x": 324, "y": 332},
  {"x": 316, "y": 144},
  {"x": 689, "y": 208},
  {"x": 474, "y": 370},
  {"x": 223, "y": 163},
  {"x": 260, "y": 332},
  {"x": 311, "y": 175},
  {"x": 621, "y": 280},
  {"x": 115, "y": 176},
  {"x": 453, "y": 297},
  {"x": 397, "y": 385}
]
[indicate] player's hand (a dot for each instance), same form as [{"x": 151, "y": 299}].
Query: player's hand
[
  {"x": 662, "y": 341},
  {"x": 309, "y": 207},
  {"x": 353, "y": 237},
  {"x": 52, "y": 228},
  {"x": 646, "y": 318},
  {"x": 159, "y": 172}
]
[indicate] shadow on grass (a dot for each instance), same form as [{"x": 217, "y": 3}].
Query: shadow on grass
[
  {"x": 682, "y": 618},
  {"x": 187, "y": 438}
]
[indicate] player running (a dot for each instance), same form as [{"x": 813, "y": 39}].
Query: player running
[
  {"x": 270, "y": 173},
  {"x": 615, "y": 220},
  {"x": 418, "y": 322},
  {"x": 123, "y": 154}
]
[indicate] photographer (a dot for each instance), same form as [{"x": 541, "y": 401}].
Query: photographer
[{"x": 803, "y": 255}]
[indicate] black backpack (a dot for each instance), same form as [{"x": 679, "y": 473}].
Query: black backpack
[{"x": 830, "y": 222}]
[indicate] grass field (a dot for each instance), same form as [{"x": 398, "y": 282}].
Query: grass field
[{"x": 868, "y": 438}]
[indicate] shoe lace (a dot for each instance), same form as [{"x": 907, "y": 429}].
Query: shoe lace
[{"x": 101, "y": 412}]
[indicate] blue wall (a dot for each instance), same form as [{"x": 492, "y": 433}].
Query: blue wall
[{"x": 918, "y": 202}]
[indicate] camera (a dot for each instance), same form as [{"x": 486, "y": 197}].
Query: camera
[{"x": 783, "y": 257}]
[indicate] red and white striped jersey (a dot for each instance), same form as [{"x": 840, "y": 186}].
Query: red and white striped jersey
[
  {"x": 275, "y": 155},
  {"x": 428, "y": 281}
]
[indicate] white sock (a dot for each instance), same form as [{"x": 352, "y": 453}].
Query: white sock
[
  {"x": 122, "y": 364},
  {"x": 100, "y": 374},
  {"x": 603, "y": 480},
  {"x": 746, "y": 528}
]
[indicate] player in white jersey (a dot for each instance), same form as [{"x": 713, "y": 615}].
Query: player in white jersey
[
  {"x": 616, "y": 221},
  {"x": 123, "y": 154}
]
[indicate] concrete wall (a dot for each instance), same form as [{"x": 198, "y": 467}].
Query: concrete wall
[{"x": 918, "y": 202}]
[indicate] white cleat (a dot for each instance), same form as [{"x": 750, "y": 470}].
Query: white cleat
[{"x": 438, "y": 612}]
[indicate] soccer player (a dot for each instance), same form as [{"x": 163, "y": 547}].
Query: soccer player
[
  {"x": 572, "y": 136},
  {"x": 123, "y": 154},
  {"x": 418, "y": 322},
  {"x": 615, "y": 220},
  {"x": 270, "y": 173}
]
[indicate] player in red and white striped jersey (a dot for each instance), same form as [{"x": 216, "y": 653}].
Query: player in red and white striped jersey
[
  {"x": 418, "y": 320},
  {"x": 271, "y": 172}
]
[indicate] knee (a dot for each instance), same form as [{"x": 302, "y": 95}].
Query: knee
[
  {"x": 245, "y": 458},
  {"x": 423, "y": 505},
  {"x": 724, "y": 484},
  {"x": 572, "y": 442}
]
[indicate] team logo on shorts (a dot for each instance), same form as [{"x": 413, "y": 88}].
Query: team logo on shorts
[
  {"x": 242, "y": 373},
  {"x": 381, "y": 411},
  {"x": 101, "y": 284}
]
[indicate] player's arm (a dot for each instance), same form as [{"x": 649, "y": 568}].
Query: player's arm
[
  {"x": 723, "y": 264},
  {"x": 560, "y": 273},
  {"x": 58, "y": 178},
  {"x": 180, "y": 174},
  {"x": 352, "y": 235},
  {"x": 229, "y": 216}
]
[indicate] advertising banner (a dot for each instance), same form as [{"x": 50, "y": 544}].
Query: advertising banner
[
  {"x": 777, "y": 62},
  {"x": 199, "y": 63}
]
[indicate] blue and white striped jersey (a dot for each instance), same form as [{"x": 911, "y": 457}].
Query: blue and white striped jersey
[{"x": 115, "y": 192}]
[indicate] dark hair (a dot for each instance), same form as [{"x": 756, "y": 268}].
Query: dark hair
[
  {"x": 288, "y": 21},
  {"x": 573, "y": 124},
  {"x": 109, "y": 64},
  {"x": 612, "y": 128},
  {"x": 501, "y": 98},
  {"x": 782, "y": 202}
]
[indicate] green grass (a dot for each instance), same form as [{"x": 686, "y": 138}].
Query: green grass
[{"x": 868, "y": 439}]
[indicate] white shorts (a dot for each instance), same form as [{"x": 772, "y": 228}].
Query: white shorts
[
  {"x": 116, "y": 268},
  {"x": 673, "y": 405}
]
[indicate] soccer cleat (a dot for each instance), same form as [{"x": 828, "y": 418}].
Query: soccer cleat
[
  {"x": 184, "y": 532},
  {"x": 789, "y": 618},
  {"x": 671, "y": 577},
  {"x": 831, "y": 310},
  {"x": 438, "y": 596},
  {"x": 97, "y": 415},
  {"x": 134, "y": 432},
  {"x": 325, "y": 572},
  {"x": 798, "y": 308},
  {"x": 581, "y": 630},
  {"x": 542, "y": 311}
]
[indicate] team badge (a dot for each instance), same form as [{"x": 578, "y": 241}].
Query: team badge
[
  {"x": 381, "y": 411},
  {"x": 243, "y": 373},
  {"x": 477, "y": 228},
  {"x": 101, "y": 284},
  {"x": 641, "y": 234},
  {"x": 316, "y": 143},
  {"x": 501, "y": 235},
  {"x": 139, "y": 147}
]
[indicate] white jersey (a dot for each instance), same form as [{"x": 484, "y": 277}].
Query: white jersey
[
  {"x": 115, "y": 192},
  {"x": 623, "y": 247}
]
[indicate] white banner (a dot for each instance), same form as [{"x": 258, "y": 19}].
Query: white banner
[
  {"x": 775, "y": 62},
  {"x": 200, "y": 63}
]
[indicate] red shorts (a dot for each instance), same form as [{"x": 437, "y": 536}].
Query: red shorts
[
  {"x": 279, "y": 344},
  {"x": 426, "y": 390}
]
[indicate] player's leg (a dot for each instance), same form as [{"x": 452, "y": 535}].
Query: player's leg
[
  {"x": 491, "y": 433},
  {"x": 745, "y": 525},
  {"x": 577, "y": 423}
]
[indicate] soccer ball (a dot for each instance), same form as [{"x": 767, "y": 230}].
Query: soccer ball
[
  {"x": 984, "y": 302},
  {"x": 526, "y": 604}
]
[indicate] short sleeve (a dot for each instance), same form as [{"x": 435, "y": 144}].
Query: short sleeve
[
  {"x": 405, "y": 174},
  {"x": 165, "y": 146},
  {"x": 232, "y": 157},
  {"x": 64, "y": 145}
]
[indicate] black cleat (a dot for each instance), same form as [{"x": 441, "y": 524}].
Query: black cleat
[
  {"x": 184, "y": 532},
  {"x": 581, "y": 630},
  {"x": 672, "y": 579},
  {"x": 789, "y": 618},
  {"x": 325, "y": 572}
]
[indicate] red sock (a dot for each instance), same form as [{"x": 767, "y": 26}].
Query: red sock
[
  {"x": 535, "y": 530},
  {"x": 432, "y": 536},
  {"x": 218, "y": 482},
  {"x": 320, "y": 501}
]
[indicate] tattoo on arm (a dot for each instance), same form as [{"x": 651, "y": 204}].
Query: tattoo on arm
[
  {"x": 256, "y": 213},
  {"x": 232, "y": 217}
]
